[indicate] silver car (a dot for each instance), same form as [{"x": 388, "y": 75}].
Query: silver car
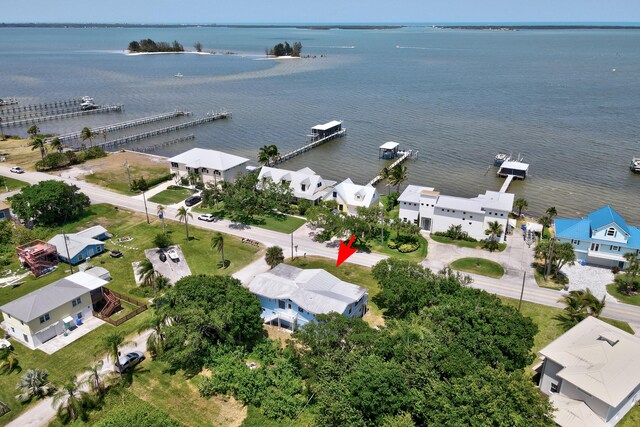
[{"x": 129, "y": 360}]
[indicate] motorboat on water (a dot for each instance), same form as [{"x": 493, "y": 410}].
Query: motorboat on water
[
  {"x": 178, "y": 75},
  {"x": 635, "y": 165},
  {"x": 87, "y": 99},
  {"x": 501, "y": 158}
]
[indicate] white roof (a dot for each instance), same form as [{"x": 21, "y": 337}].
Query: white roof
[
  {"x": 599, "y": 358},
  {"x": 491, "y": 200},
  {"x": 328, "y": 125},
  {"x": 314, "y": 290},
  {"x": 92, "y": 232},
  {"x": 356, "y": 195},
  {"x": 459, "y": 203},
  {"x": 210, "y": 159},
  {"x": 411, "y": 194},
  {"x": 514, "y": 165},
  {"x": 534, "y": 226},
  {"x": 390, "y": 145},
  {"x": 574, "y": 413},
  {"x": 496, "y": 200},
  {"x": 315, "y": 186},
  {"x": 98, "y": 272}
]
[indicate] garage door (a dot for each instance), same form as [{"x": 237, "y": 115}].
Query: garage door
[{"x": 46, "y": 334}]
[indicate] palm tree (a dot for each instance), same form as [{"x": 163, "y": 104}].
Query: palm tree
[
  {"x": 578, "y": 306},
  {"x": 522, "y": 205},
  {"x": 160, "y": 211},
  {"x": 87, "y": 133},
  {"x": 8, "y": 361},
  {"x": 217, "y": 244},
  {"x": 95, "y": 377},
  {"x": 56, "y": 144},
  {"x": 399, "y": 176},
  {"x": 264, "y": 157},
  {"x": 274, "y": 256},
  {"x": 183, "y": 215},
  {"x": 545, "y": 221},
  {"x": 160, "y": 282},
  {"x": 385, "y": 173},
  {"x": 632, "y": 270},
  {"x": 551, "y": 212},
  {"x": 38, "y": 142},
  {"x": 141, "y": 185},
  {"x": 110, "y": 344},
  {"x": 494, "y": 231},
  {"x": 70, "y": 400},
  {"x": 146, "y": 272},
  {"x": 33, "y": 131},
  {"x": 155, "y": 342},
  {"x": 34, "y": 383},
  {"x": 274, "y": 153}
]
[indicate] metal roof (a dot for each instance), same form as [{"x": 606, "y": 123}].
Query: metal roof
[
  {"x": 390, "y": 145},
  {"x": 315, "y": 186},
  {"x": 356, "y": 195},
  {"x": 327, "y": 126},
  {"x": 574, "y": 413},
  {"x": 210, "y": 159},
  {"x": 315, "y": 290},
  {"x": 515, "y": 165}
]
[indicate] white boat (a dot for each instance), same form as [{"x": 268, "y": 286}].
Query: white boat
[
  {"x": 501, "y": 158},
  {"x": 173, "y": 255},
  {"x": 178, "y": 75},
  {"x": 635, "y": 165},
  {"x": 87, "y": 99}
]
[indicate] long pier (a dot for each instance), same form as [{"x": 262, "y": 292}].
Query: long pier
[
  {"x": 404, "y": 155},
  {"x": 43, "y": 106},
  {"x": 105, "y": 109},
  {"x": 39, "y": 113},
  {"x": 123, "y": 125},
  {"x": 125, "y": 140},
  {"x": 163, "y": 144},
  {"x": 309, "y": 146},
  {"x": 7, "y": 101}
]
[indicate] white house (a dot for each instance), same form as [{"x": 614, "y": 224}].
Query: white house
[
  {"x": 210, "y": 165},
  {"x": 292, "y": 297},
  {"x": 351, "y": 196},
  {"x": 47, "y": 312},
  {"x": 304, "y": 183},
  {"x": 435, "y": 212},
  {"x": 591, "y": 374}
]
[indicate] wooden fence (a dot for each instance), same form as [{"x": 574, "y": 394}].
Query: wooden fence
[{"x": 141, "y": 307}]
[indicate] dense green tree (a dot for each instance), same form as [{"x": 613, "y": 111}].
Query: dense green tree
[
  {"x": 626, "y": 284},
  {"x": 274, "y": 256},
  {"x": 206, "y": 311},
  {"x": 554, "y": 255},
  {"x": 139, "y": 413},
  {"x": 49, "y": 203},
  {"x": 161, "y": 240},
  {"x": 6, "y": 232}
]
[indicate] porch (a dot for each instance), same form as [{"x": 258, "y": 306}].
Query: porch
[{"x": 78, "y": 331}]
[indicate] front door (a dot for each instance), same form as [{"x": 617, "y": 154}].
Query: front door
[{"x": 426, "y": 224}]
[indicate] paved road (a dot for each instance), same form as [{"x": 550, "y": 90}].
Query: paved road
[{"x": 510, "y": 285}]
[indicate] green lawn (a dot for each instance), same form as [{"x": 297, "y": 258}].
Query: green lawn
[
  {"x": 173, "y": 194},
  {"x": 551, "y": 282},
  {"x": 627, "y": 299},
  {"x": 352, "y": 273},
  {"x": 11, "y": 184},
  {"x": 480, "y": 266},
  {"x": 274, "y": 222},
  {"x": 374, "y": 245},
  {"x": 464, "y": 243}
]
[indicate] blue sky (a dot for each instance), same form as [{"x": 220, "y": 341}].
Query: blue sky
[{"x": 319, "y": 11}]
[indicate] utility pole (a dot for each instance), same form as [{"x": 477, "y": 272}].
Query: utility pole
[
  {"x": 524, "y": 276},
  {"x": 291, "y": 246},
  {"x": 66, "y": 245},
  {"x": 126, "y": 166}
]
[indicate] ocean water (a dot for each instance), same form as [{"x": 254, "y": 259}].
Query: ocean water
[{"x": 457, "y": 96}]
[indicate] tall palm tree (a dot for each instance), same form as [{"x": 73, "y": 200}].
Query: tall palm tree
[
  {"x": 160, "y": 211},
  {"x": 274, "y": 153},
  {"x": 69, "y": 400},
  {"x": 155, "y": 342},
  {"x": 87, "y": 133},
  {"x": 56, "y": 144},
  {"x": 578, "y": 306},
  {"x": 493, "y": 232},
  {"x": 385, "y": 173},
  {"x": 33, "y": 131},
  {"x": 141, "y": 185},
  {"x": 399, "y": 175},
  {"x": 183, "y": 215},
  {"x": 111, "y": 344},
  {"x": 552, "y": 212},
  {"x": 146, "y": 272},
  {"x": 95, "y": 377},
  {"x": 264, "y": 157},
  {"x": 217, "y": 244},
  {"x": 38, "y": 142},
  {"x": 521, "y": 204},
  {"x": 632, "y": 270},
  {"x": 545, "y": 221},
  {"x": 34, "y": 383},
  {"x": 8, "y": 361}
]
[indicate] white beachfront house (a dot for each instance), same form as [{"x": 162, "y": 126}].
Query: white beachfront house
[
  {"x": 210, "y": 165},
  {"x": 49, "y": 311},
  {"x": 292, "y": 297},
  {"x": 351, "y": 196},
  {"x": 434, "y": 212},
  {"x": 591, "y": 374},
  {"x": 304, "y": 183},
  {"x": 601, "y": 238}
]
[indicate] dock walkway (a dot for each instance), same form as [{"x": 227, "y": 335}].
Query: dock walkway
[
  {"x": 32, "y": 120},
  {"x": 309, "y": 146},
  {"x": 164, "y": 144},
  {"x": 9, "y": 105},
  {"x": 404, "y": 155},
  {"x": 506, "y": 184}
]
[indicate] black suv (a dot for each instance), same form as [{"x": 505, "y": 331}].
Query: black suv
[{"x": 193, "y": 200}]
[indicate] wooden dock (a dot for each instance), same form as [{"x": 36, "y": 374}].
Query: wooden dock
[
  {"x": 38, "y": 113},
  {"x": 163, "y": 144},
  {"x": 33, "y": 120},
  {"x": 404, "y": 155},
  {"x": 156, "y": 132},
  {"x": 10, "y": 108},
  {"x": 123, "y": 125},
  {"x": 506, "y": 184},
  {"x": 309, "y": 146}
]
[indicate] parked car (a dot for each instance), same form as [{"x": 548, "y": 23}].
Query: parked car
[
  {"x": 129, "y": 360},
  {"x": 16, "y": 169},
  {"x": 207, "y": 217},
  {"x": 115, "y": 253},
  {"x": 193, "y": 200}
]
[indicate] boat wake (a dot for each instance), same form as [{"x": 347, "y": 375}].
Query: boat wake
[{"x": 333, "y": 47}]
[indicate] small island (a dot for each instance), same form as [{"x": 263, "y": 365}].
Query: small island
[
  {"x": 150, "y": 46},
  {"x": 285, "y": 50}
]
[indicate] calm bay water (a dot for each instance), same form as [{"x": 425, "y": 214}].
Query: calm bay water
[{"x": 457, "y": 96}]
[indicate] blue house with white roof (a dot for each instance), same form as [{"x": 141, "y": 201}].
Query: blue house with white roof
[{"x": 602, "y": 238}]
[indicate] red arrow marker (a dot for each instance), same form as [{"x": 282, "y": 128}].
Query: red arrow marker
[{"x": 345, "y": 251}]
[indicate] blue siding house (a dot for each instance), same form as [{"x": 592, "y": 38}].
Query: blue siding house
[
  {"x": 602, "y": 238},
  {"x": 81, "y": 245},
  {"x": 292, "y": 297}
]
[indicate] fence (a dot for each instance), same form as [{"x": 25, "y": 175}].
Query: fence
[{"x": 141, "y": 307}]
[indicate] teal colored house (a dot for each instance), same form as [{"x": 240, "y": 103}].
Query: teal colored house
[
  {"x": 602, "y": 238},
  {"x": 74, "y": 248}
]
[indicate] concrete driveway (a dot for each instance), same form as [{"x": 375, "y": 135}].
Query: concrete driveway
[{"x": 173, "y": 270}]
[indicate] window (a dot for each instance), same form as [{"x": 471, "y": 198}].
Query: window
[
  {"x": 80, "y": 257},
  {"x": 319, "y": 184},
  {"x": 217, "y": 173},
  {"x": 45, "y": 318},
  {"x": 303, "y": 186},
  {"x": 554, "y": 388},
  {"x": 174, "y": 165},
  {"x": 289, "y": 306},
  {"x": 595, "y": 247},
  {"x": 281, "y": 304},
  {"x": 25, "y": 337},
  {"x": 349, "y": 310},
  {"x": 300, "y": 310},
  {"x": 79, "y": 315},
  {"x": 76, "y": 301},
  {"x": 575, "y": 242},
  {"x": 611, "y": 232},
  {"x": 615, "y": 248},
  {"x": 205, "y": 170},
  {"x": 335, "y": 194}
]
